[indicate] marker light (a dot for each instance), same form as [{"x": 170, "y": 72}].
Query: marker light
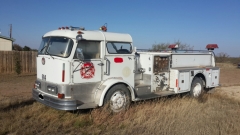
[{"x": 118, "y": 60}]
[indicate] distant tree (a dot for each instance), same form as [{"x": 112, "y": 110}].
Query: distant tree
[
  {"x": 222, "y": 57},
  {"x": 184, "y": 46},
  {"x": 160, "y": 46},
  {"x": 35, "y": 50},
  {"x": 164, "y": 46},
  {"x": 26, "y": 48},
  {"x": 17, "y": 47}
]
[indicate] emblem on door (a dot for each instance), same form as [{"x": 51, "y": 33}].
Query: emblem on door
[{"x": 87, "y": 70}]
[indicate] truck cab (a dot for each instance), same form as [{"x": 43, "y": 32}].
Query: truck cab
[{"x": 73, "y": 66}]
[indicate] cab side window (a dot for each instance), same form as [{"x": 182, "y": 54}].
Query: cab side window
[
  {"x": 119, "y": 48},
  {"x": 90, "y": 49}
]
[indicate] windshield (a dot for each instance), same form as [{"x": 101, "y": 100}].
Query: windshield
[{"x": 56, "y": 46}]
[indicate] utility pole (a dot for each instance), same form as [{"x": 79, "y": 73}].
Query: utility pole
[{"x": 10, "y": 30}]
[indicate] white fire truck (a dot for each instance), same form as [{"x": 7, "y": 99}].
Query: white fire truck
[{"x": 79, "y": 69}]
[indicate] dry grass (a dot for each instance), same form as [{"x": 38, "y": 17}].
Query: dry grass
[{"x": 211, "y": 114}]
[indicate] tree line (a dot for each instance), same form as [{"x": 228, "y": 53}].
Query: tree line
[{"x": 17, "y": 47}]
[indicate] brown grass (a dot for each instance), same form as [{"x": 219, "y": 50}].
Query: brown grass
[{"x": 211, "y": 114}]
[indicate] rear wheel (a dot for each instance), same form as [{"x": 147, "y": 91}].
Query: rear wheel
[
  {"x": 118, "y": 98},
  {"x": 196, "y": 87}
]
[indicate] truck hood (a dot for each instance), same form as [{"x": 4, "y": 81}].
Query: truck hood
[{"x": 53, "y": 69}]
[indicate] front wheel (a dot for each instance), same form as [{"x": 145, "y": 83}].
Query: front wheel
[
  {"x": 117, "y": 98},
  {"x": 196, "y": 87}
]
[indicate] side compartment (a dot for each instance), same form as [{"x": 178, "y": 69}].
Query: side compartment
[{"x": 184, "y": 81}]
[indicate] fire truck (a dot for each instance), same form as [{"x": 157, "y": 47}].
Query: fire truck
[{"x": 80, "y": 69}]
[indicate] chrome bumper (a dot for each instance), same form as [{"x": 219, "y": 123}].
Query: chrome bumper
[{"x": 60, "y": 104}]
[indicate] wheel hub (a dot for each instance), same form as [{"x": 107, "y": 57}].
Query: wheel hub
[
  {"x": 197, "y": 90},
  {"x": 118, "y": 100}
]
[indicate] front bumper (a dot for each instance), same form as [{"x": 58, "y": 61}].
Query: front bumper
[{"x": 60, "y": 104}]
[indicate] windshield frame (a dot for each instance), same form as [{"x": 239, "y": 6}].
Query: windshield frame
[{"x": 51, "y": 41}]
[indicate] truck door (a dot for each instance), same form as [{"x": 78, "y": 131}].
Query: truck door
[
  {"x": 90, "y": 68},
  {"x": 119, "y": 61}
]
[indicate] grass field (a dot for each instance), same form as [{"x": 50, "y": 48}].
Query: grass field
[{"x": 216, "y": 113}]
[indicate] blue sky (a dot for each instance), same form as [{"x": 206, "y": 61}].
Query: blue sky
[{"x": 194, "y": 22}]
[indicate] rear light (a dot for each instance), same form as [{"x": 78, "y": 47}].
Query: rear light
[{"x": 60, "y": 95}]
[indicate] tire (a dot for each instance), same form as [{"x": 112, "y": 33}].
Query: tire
[
  {"x": 117, "y": 98},
  {"x": 196, "y": 87}
]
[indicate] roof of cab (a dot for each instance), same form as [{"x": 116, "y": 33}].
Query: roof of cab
[{"x": 91, "y": 35}]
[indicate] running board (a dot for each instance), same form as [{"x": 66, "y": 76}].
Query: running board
[{"x": 155, "y": 95}]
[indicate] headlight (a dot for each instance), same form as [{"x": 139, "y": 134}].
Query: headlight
[
  {"x": 37, "y": 85},
  {"x": 52, "y": 89}
]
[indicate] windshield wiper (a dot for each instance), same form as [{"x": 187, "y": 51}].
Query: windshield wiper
[
  {"x": 43, "y": 48},
  {"x": 46, "y": 51},
  {"x": 49, "y": 54}
]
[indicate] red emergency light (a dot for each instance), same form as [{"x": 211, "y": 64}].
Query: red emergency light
[
  {"x": 173, "y": 46},
  {"x": 211, "y": 46},
  {"x": 104, "y": 27},
  {"x": 79, "y": 32}
]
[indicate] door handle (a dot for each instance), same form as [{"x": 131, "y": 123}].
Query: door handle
[
  {"x": 100, "y": 64},
  {"x": 107, "y": 67}
]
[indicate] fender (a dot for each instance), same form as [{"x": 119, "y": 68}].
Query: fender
[
  {"x": 106, "y": 85},
  {"x": 202, "y": 77}
]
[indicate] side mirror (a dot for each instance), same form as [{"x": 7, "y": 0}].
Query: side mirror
[{"x": 80, "y": 54}]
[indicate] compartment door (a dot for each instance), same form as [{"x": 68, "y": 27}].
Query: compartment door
[
  {"x": 215, "y": 77},
  {"x": 183, "y": 81}
]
